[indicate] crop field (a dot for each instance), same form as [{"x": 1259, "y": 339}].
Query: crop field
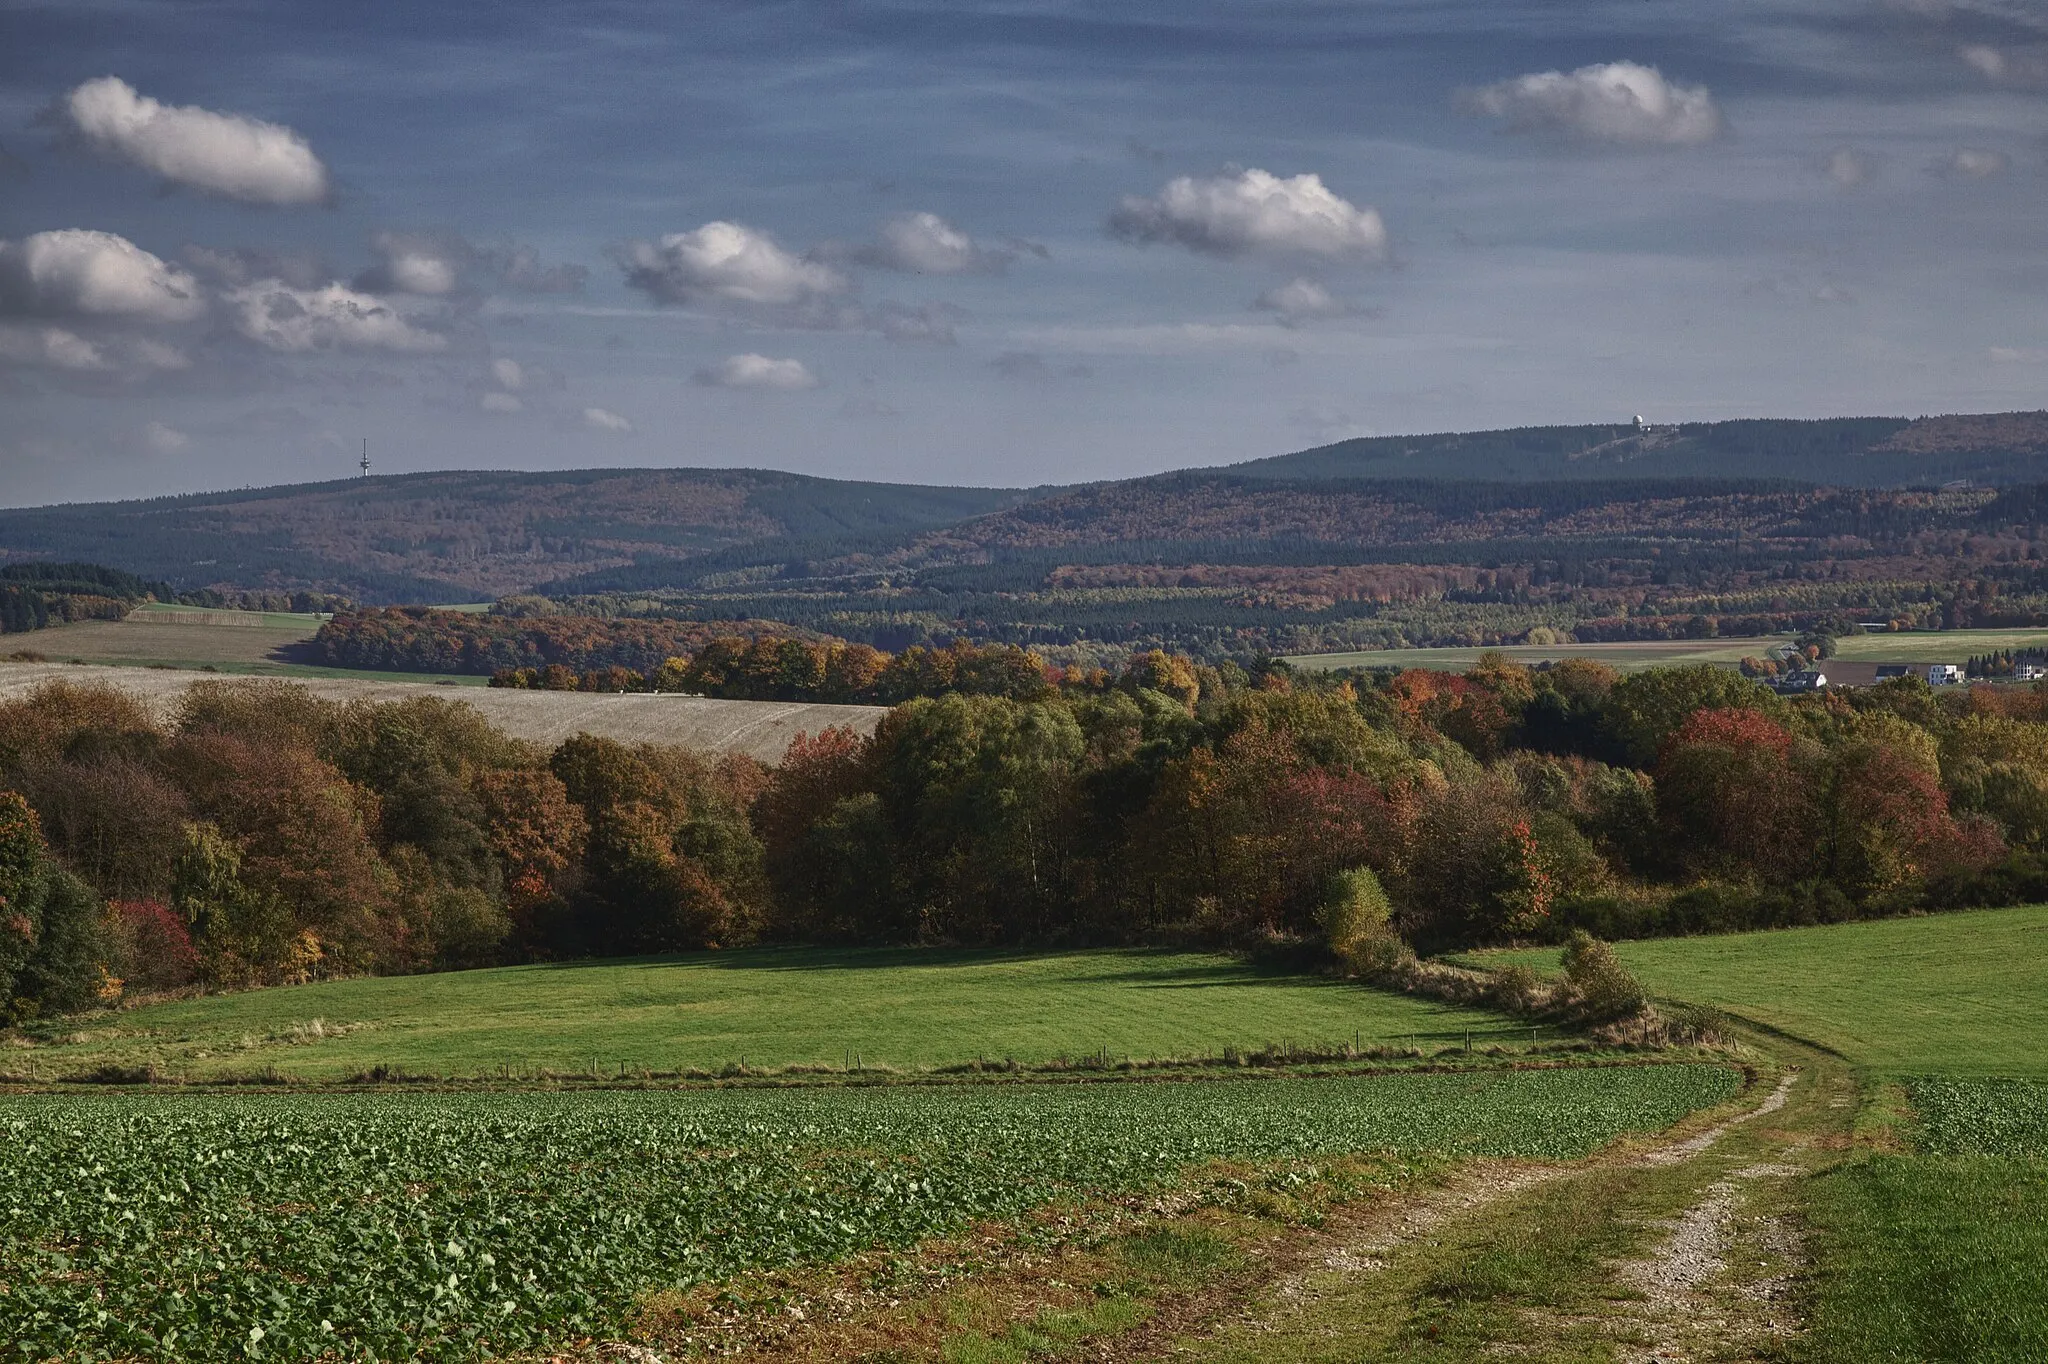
[
  {"x": 1956, "y": 994},
  {"x": 1982, "y": 1117},
  {"x": 1948, "y": 646},
  {"x": 770, "y": 1007},
  {"x": 463, "y": 1226},
  {"x": 760, "y": 729}
]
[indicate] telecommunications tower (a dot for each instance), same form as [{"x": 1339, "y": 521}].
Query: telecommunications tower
[{"x": 364, "y": 463}]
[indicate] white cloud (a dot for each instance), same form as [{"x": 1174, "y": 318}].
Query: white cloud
[
  {"x": 508, "y": 373},
  {"x": 726, "y": 263},
  {"x": 500, "y": 402},
  {"x": 1301, "y": 300},
  {"x": 226, "y": 154},
  {"x": 412, "y": 263},
  {"x": 1846, "y": 168},
  {"x": 76, "y": 273},
  {"x": 2019, "y": 66},
  {"x": 165, "y": 440},
  {"x": 757, "y": 371},
  {"x": 53, "y": 347},
  {"x": 334, "y": 317},
  {"x": 1250, "y": 212},
  {"x": 1619, "y": 102},
  {"x": 1971, "y": 163},
  {"x": 926, "y": 244},
  {"x": 599, "y": 419}
]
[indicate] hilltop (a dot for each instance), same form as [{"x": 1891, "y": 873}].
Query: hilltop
[{"x": 1863, "y": 452}]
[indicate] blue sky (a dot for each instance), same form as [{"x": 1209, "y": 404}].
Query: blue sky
[{"x": 989, "y": 243}]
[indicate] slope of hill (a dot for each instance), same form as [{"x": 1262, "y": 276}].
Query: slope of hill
[
  {"x": 1221, "y": 562},
  {"x": 1868, "y": 452},
  {"x": 458, "y": 536}
]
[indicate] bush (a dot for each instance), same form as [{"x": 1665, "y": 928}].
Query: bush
[
  {"x": 1356, "y": 917},
  {"x": 1518, "y": 990},
  {"x": 1597, "y": 987}
]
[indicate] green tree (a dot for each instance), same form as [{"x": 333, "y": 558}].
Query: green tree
[{"x": 1646, "y": 708}]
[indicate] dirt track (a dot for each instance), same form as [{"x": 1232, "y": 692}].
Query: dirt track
[{"x": 760, "y": 729}]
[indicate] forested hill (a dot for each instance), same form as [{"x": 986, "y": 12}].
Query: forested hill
[
  {"x": 468, "y": 535},
  {"x": 1552, "y": 494},
  {"x": 1866, "y": 452}
]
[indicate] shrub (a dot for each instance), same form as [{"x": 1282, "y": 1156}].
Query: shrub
[
  {"x": 1356, "y": 916},
  {"x": 1597, "y": 987},
  {"x": 1518, "y": 990}
]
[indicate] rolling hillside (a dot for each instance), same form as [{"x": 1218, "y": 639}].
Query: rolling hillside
[
  {"x": 462, "y": 535},
  {"x": 1595, "y": 533}
]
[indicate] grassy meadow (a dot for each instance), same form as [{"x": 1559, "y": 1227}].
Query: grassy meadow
[
  {"x": 1959, "y": 994},
  {"x": 240, "y": 643},
  {"x": 1929, "y": 1246},
  {"x": 1919, "y": 646},
  {"x": 772, "y": 1007}
]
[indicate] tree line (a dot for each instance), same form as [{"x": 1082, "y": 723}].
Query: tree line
[{"x": 258, "y": 834}]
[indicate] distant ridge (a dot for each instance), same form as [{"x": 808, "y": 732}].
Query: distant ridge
[
  {"x": 1869, "y": 452},
  {"x": 467, "y": 535}
]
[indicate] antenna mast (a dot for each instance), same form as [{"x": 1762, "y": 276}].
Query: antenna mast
[{"x": 365, "y": 463}]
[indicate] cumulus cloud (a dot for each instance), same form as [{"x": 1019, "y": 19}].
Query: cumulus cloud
[
  {"x": 757, "y": 371},
  {"x": 247, "y": 264},
  {"x": 165, "y": 440},
  {"x": 2026, "y": 67},
  {"x": 1970, "y": 163},
  {"x": 926, "y": 244},
  {"x": 1618, "y": 102},
  {"x": 225, "y": 154},
  {"x": 334, "y": 317},
  {"x": 1846, "y": 168},
  {"x": 726, "y": 263},
  {"x": 500, "y": 402},
  {"x": 52, "y": 348},
  {"x": 1252, "y": 212},
  {"x": 600, "y": 419},
  {"x": 77, "y": 273},
  {"x": 415, "y": 263},
  {"x": 1301, "y": 300},
  {"x": 508, "y": 373}
]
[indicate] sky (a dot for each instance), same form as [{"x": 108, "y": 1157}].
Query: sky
[{"x": 1021, "y": 243}]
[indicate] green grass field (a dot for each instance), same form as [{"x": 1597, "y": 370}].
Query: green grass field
[
  {"x": 1933, "y": 1254},
  {"x": 1948, "y": 646},
  {"x": 773, "y": 1007},
  {"x": 1960, "y": 994}
]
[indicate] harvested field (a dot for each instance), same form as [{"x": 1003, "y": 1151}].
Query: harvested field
[
  {"x": 227, "y": 640},
  {"x": 759, "y": 729}
]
